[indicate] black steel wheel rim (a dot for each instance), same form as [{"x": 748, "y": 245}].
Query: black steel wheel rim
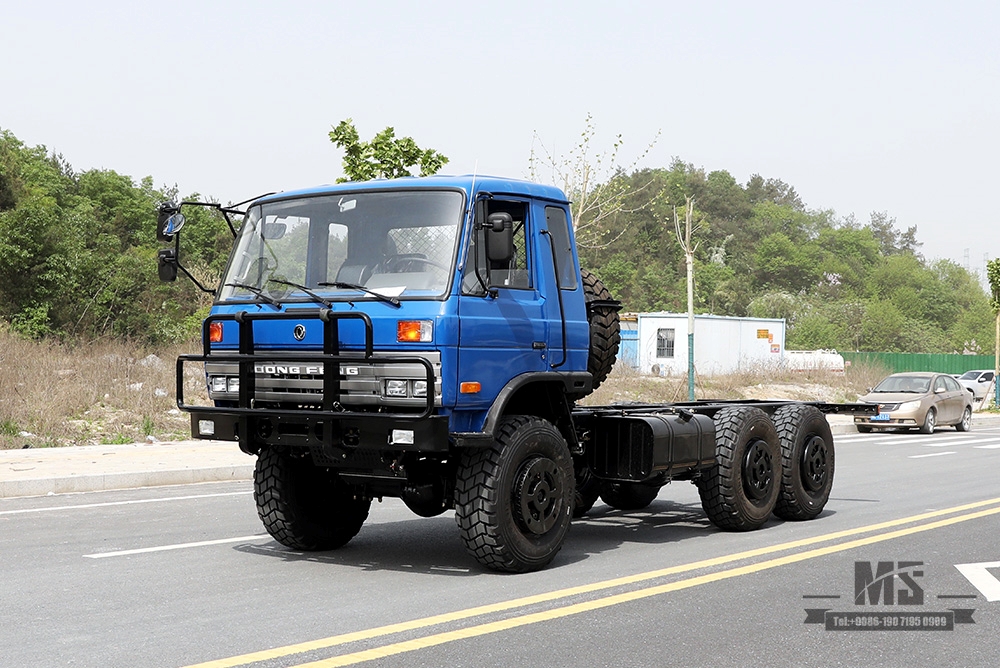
[
  {"x": 757, "y": 471},
  {"x": 537, "y": 495},
  {"x": 814, "y": 465}
]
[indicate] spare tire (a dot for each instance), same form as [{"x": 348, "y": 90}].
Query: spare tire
[{"x": 605, "y": 332}]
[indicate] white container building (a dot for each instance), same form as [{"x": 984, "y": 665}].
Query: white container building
[{"x": 721, "y": 344}]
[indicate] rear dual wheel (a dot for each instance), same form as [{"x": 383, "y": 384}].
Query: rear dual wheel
[
  {"x": 740, "y": 491},
  {"x": 807, "y": 461}
]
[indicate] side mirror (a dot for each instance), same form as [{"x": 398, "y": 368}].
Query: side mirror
[
  {"x": 166, "y": 264},
  {"x": 169, "y": 221},
  {"x": 499, "y": 238}
]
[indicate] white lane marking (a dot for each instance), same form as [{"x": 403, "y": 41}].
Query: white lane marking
[
  {"x": 982, "y": 579},
  {"x": 178, "y": 546},
  {"x": 989, "y": 441},
  {"x": 928, "y": 438},
  {"x": 120, "y": 503},
  {"x": 933, "y": 454}
]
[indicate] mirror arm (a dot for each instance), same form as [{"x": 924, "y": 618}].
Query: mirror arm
[
  {"x": 232, "y": 228},
  {"x": 195, "y": 280},
  {"x": 478, "y": 227}
]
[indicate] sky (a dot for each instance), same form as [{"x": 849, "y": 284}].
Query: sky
[{"x": 861, "y": 106}]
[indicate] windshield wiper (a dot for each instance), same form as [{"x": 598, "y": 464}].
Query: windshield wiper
[
  {"x": 257, "y": 291},
  {"x": 322, "y": 300},
  {"x": 361, "y": 288}
]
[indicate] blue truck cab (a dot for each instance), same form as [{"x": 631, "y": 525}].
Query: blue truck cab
[{"x": 429, "y": 339}]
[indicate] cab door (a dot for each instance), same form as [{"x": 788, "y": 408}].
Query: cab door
[{"x": 503, "y": 327}]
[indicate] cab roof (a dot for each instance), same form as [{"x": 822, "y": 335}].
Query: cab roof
[{"x": 467, "y": 182}]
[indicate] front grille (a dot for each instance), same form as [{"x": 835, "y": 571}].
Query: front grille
[{"x": 362, "y": 382}]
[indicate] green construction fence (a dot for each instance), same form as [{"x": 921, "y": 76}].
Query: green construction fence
[{"x": 897, "y": 362}]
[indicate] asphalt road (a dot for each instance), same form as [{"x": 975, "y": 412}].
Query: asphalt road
[{"x": 185, "y": 575}]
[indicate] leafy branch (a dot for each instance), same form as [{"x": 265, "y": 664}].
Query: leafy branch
[{"x": 384, "y": 157}]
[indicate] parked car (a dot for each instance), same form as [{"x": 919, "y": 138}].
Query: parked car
[
  {"x": 978, "y": 382},
  {"x": 917, "y": 401}
]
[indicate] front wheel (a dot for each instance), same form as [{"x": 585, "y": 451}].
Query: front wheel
[
  {"x": 302, "y": 506},
  {"x": 740, "y": 491},
  {"x": 514, "y": 500},
  {"x": 930, "y": 421},
  {"x": 807, "y": 461}
]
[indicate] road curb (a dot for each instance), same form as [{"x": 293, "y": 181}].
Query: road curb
[{"x": 122, "y": 480}]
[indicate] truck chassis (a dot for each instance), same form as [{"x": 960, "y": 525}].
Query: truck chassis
[{"x": 514, "y": 490}]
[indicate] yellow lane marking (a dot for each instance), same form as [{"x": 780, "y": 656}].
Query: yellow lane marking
[
  {"x": 459, "y": 615},
  {"x": 608, "y": 601}
]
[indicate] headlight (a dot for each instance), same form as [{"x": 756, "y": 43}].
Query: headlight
[
  {"x": 420, "y": 388},
  {"x": 218, "y": 383},
  {"x": 234, "y": 384},
  {"x": 395, "y": 388},
  {"x": 909, "y": 406}
]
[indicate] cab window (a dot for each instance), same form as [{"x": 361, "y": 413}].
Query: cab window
[{"x": 515, "y": 274}]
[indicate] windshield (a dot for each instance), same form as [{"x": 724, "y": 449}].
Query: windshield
[
  {"x": 970, "y": 375},
  {"x": 347, "y": 246},
  {"x": 915, "y": 384}
]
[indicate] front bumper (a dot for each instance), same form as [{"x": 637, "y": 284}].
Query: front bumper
[
  {"x": 253, "y": 429},
  {"x": 895, "y": 419}
]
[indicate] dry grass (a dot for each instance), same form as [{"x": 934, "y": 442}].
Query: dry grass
[
  {"x": 626, "y": 385},
  {"x": 106, "y": 392}
]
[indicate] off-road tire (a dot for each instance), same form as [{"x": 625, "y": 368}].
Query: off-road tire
[
  {"x": 807, "y": 461},
  {"x": 302, "y": 506},
  {"x": 514, "y": 500},
  {"x": 628, "y": 495},
  {"x": 605, "y": 329},
  {"x": 740, "y": 491}
]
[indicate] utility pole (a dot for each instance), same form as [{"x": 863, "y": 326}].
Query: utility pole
[
  {"x": 993, "y": 275},
  {"x": 685, "y": 242}
]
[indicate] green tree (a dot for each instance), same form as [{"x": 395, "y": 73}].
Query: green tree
[
  {"x": 384, "y": 157},
  {"x": 891, "y": 240},
  {"x": 781, "y": 262}
]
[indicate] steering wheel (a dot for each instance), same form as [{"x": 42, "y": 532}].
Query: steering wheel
[{"x": 405, "y": 261}]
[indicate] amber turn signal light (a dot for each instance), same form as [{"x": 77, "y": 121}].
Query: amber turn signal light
[{"x": 414, "y": 331}]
